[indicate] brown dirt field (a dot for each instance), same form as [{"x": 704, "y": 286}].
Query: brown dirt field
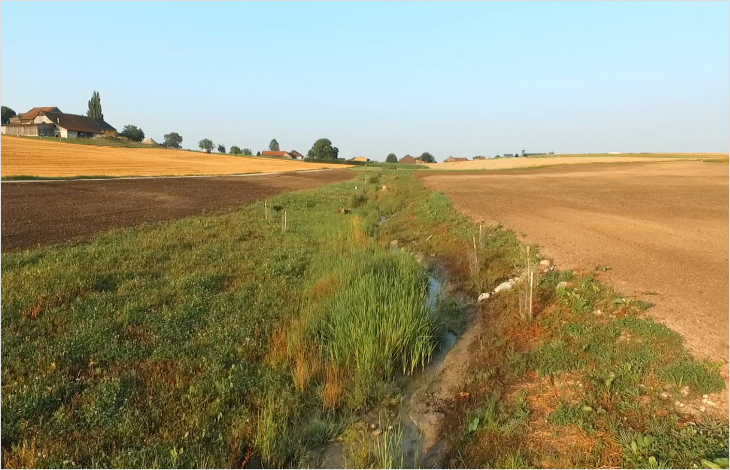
[
  {"x": 661, "y": 227},
  {"x": 23, "y": 156},
  {"x": 38, "y": 213},
  {"x": 531, "y": 162}
]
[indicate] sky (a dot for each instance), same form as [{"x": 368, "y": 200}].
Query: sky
[{"x": 450, "y": 78}]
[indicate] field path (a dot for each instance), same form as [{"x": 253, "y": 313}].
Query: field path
[
  {"x": 38, "y": 213},
  {"x": 661, "y": 227}
]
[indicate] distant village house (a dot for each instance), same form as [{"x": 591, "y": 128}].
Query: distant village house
[
  {"x": 360, "y": 159},
  {"x": 52, "y": 122},
  {"x": 408, "y": 160},
  {"x": 456, "y": 159}
]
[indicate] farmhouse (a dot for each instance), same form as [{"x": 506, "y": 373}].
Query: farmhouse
[
  {"x": 360, "y": 159},
  {"x": 293, "y": 155},
  {"x": 52, "y": 122},
  {"x": 408, "y": 160},
  {"x": 456, "y": 159},
  {"x": 479, "y": 158}
]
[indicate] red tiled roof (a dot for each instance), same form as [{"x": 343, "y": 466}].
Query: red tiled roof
[
  {"x": 408, "y": 160},
  {"x": 30, "y": 115}
]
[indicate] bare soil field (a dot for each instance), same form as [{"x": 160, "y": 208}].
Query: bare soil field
[
  {"x": 28, "y": 157},
  {"x": 40, "y": 213},
  {"x": 531, "y": 162},
  {"x": 662, "y": 228}
]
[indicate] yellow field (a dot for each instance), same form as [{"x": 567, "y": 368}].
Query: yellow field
[
  {"x": 23, "y": 156},
  {"x": 509, "y": 163}
]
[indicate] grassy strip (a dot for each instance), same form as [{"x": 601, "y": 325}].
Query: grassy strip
[
  {"x": 99, "y": 141},
  {"x": 200, "y": 342}
]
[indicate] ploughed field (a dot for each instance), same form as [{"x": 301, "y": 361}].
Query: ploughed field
[
  {"x": 658, "y": 231},
  {"x": 47, "y": 212},
  {"x": 28, "y": 157}
]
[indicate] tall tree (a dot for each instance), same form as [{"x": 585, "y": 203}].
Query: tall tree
[
  {"x": 258, "y": 154},
  {"x": 274, "y": 145},
  {"x": 7, "y": 113},
  {"x": 221, "y": 148},
  {"x": 322, "y": 150},
  {"x": 235, "y": 150},
  {"x": 206, "y": 144},
  {"x": 391, "y": 158},
  {"x": 427, "y": 158},
  {"x": 247, "y": 151},
  {"x": 95, "y": 107},
  {"x": 132, "y": 133},
  {"x": 172, "y": 140}
]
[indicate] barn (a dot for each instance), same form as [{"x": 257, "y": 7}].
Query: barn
[{"x": 52, "y": 122}]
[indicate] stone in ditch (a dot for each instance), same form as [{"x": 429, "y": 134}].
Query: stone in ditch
[{"x": 507, "y": 285}]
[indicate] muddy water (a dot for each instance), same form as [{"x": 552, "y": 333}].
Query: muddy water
[{"x": 410, "y": 415}]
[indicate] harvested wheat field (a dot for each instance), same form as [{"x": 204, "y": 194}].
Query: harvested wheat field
[
  {"x": 551, "y": 160},
  {"x": 28, "y": 157},
  {"x": 661, "y": 228}
]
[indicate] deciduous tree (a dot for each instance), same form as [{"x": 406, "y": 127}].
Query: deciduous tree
[
  {"x": 132, "y": 133},
  {"x": 7, "y": 113},
  {"x": 221, "y": 148},
  {"x": 322, "y": 150},
  {"x": 427, "y": 158},
  {"x": 172, "y": 140},
  {"x": 206, "y": 144},
  {"x": 391, "y": 158},
  {"x": 235, "y": 150}
]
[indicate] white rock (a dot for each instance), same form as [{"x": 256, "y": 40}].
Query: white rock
[
  {"x": 705, "y": 396},
  {"x": 561, "y": 285},
  {"x": 507, "y": 285},
  {"x": 545, "y": 264},
  {"x": 483, "y": 296},
  {"x": 702, "y": 409}
]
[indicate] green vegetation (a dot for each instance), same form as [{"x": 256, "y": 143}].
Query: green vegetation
[
  {"x": 195, "y": 342},
  {"x": 7, "y": 113},
  {"x": 94, "y": 111},
  {"x": 391, "y": 158},
  {"x": 172, "y": 140},
  {"x": 209, "y": 341},
  {"x": 274, "y": 145},
  {"x": 99, "y": 141},
  {"x": 133, "y": 133},
  {"x": 427, "y": 158},
  {"x": 601, "y": 369},
  {"x": 221, "y": 148},
  {"x": 322, "y": 149},
  {"x": 206, "y": 145}
]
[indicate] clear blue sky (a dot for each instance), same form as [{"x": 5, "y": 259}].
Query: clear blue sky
[{"x": 458, "y": 79}]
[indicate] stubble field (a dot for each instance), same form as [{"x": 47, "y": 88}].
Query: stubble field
[{"x": 28, "y": 157}]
